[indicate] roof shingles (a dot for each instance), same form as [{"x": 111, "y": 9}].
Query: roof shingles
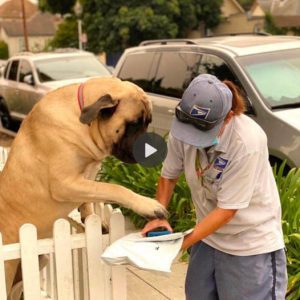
[{"x": 38, "y": 23}]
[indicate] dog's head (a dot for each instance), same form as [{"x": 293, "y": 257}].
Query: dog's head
[{"x": 118, "y": 112}]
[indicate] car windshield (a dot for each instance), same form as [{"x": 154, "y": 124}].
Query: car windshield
[
  {"x": 70, "y": 67},
  {"x": 276, "y": 76}
]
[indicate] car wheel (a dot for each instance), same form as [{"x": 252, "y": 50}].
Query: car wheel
[{"x": 4, "y": 115}]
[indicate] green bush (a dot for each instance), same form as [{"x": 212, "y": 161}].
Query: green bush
[
  {"x": 3, "y": 50},
  {"x": 182, "y": 212},
  {"x": 289, "y": 191},
  {"x": 144, "y": 181}
]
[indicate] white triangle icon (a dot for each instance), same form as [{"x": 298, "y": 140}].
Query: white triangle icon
[{"x": 149, "y": 150}]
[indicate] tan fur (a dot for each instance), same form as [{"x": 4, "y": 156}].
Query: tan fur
[{"x": 54, "y": 156}]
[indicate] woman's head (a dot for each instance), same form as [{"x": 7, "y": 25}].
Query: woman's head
[{"x": 207, "y": 105}]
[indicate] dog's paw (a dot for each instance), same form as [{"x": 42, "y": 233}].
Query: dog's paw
[{"x": 151, "y": 209}]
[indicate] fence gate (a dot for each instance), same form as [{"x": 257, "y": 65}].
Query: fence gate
[{"x": 75, "y": 269}]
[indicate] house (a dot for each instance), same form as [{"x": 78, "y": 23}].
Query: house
[
  {"x": 286, "y": 13},
  {"x": 265, "y": 4},
  {"x": 40, "y": 26},
  {"x": 236, "y": 20}
]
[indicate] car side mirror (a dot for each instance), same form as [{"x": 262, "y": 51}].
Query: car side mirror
[{"x": 28, "y": 79}]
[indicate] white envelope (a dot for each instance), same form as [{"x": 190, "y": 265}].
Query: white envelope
[{"x": 147, "y": 253}]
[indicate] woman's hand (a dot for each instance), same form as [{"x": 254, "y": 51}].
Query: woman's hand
[{"x": 153, "y": 224}]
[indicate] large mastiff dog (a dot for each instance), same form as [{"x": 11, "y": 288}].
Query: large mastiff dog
[{"x": 58, "y": 150}]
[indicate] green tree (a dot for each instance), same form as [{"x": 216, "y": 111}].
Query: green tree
[
  {"x": 271, "y": 27},
  {"x": 3, "y": 50},
  {"x": 66, "y": 35},
  {"x": 114, "y": 26},
  {"x": 57, "y": 6}
]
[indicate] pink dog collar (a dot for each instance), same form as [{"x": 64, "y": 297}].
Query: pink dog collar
[{"x": 80, "y": 97}]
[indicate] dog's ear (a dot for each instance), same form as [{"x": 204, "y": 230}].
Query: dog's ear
[{"x": 105, "y": 104}]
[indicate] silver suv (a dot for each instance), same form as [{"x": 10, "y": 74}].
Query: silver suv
[
  {"x": 266, "y": 69},
  {"x": 27, "y": 77}
]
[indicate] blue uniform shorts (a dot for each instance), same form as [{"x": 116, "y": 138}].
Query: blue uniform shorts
[{"x": 215, "y": 275}]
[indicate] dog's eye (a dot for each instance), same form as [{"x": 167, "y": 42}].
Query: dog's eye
[
  {"x": 106, "y": 113},
  {"x": 134, "y": 127}
]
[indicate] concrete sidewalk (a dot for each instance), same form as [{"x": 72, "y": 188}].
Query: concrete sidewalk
[
  {"x": 153, "y": 286},
  {"x": 148, "y": 285}
]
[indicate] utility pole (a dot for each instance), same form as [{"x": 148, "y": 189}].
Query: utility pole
[
  {"x": 24, "y": 26},
  {"x": 78, "y": 12}
]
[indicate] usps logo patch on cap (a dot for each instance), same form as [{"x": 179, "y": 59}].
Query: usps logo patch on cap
[
  {"x": 220, "y": 163},
  {"x": 199, "y": 112}
]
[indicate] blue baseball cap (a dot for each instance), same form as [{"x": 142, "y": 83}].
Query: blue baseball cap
[{"x": 207, "y": 100}]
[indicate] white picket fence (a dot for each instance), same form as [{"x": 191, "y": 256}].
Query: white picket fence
[
  {"x": 75, "y": 269},
  {"x": 3, "y": 157}
]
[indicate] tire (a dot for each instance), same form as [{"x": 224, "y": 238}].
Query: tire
[{"x": 4, "y": 115}]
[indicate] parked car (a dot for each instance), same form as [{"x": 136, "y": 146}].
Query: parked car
[
  {"x": 266, "y": 69},
  {"x": 27, "y": 77}
]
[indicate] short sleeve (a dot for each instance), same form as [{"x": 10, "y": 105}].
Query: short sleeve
[
  {"x": 173, "y": 164},
  {"x": 238, "y": 182}
]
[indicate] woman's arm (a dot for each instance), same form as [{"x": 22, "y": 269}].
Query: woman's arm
[
  {"x": 211, "y": 223},
  {"x": 165, "y": 189}
]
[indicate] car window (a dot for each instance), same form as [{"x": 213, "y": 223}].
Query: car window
[
  {"x": 13, "y": 72},
  {"x": 276, "y": 76},
  {"x": 139, "y": 68},
  {"x": 214, "y": 65},
  {"x": 6, "y": 69},
  {"x": 175, "y": 72},
  {"x": 71, "y": 67},
  {"x": 25, "y": 69}
]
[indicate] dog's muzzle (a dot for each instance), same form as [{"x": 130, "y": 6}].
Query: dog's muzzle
[{"x": 123, "y": 150}]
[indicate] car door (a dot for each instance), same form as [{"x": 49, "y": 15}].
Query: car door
[
  {"x": 10, "y": 91},
  {"x": 28, "y": 92}
]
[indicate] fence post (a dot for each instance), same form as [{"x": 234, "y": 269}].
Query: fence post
[
  {"x": 30, "y": 262},
  {"x": 117, "y": 230},
  {"x": 93, "y": 236},
  {"x": 63, "y": 259},
  {"x": 2, "y": 272}
]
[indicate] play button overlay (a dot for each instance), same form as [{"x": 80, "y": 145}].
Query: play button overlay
[{"x": 150, "y": 149}]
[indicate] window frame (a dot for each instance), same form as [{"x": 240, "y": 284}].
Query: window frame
[
  {"x": 18, "y": 69},
  {"x": 7, "y": 69}
]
